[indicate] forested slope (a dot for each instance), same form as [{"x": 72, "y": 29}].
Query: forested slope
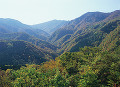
[
  {"x": 90, "y": 67},
  {"x": 21, "y": 53},
  {"x": 26, "y": 37},
  {"x": 88, "y": 30}
]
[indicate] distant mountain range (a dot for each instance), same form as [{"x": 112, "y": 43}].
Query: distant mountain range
[
  {"x": 12, "y": 26},
  {"x": 50, "y": 26},
  {"x": 49, "y": 39}
]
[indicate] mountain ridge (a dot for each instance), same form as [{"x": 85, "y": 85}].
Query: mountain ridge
[
  {"x": 50, "y": 26},
  {"x": 26, "y": 37},
  {"x": 8, "y": 25},
  {"x": 83, "y": 27}
]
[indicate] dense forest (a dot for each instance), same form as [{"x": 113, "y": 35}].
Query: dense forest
[
  {"x": 84, "y": 52},
  {"x": 90, "y": 67}
]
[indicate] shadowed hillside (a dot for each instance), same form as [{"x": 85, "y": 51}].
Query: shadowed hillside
[{"x": 21, "y": 52}]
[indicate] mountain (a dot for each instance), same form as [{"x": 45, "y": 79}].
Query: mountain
[
  {"x": 26, "y": 37},
  {"x": 78, "y": 23},
  {"x": 88, "y": 30},
  {"x": 94, "y": 29},
  {"x": 11, "y": 26},
  {"x": 50, "y": 26},
  {"x": 15, "y": 48},
  {"x": 89, "y": 48},
  {"x": 21, "y": 52}
]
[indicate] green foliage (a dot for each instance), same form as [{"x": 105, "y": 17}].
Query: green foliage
[
  {"x": 112, "y": 40},
  {"x": 94, "y": 67},
  {"x": 26, "y": 37},
  {"x": 89, "y": 79},
  {"x": 110, "y": 26},
  {"x": 90, "y": 67},
  {"x": 21, "y": 53},
  {"x": 58, "y": 80}
]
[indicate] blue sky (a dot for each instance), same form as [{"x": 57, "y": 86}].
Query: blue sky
[{"x": 39, "y": 11}]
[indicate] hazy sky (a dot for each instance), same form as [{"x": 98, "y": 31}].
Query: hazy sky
[{"x": 38, "y": 11}]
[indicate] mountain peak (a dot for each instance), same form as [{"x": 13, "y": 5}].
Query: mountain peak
[
  {"x": 50, "y": 26},
  {"x": 92, "y": 17}
]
